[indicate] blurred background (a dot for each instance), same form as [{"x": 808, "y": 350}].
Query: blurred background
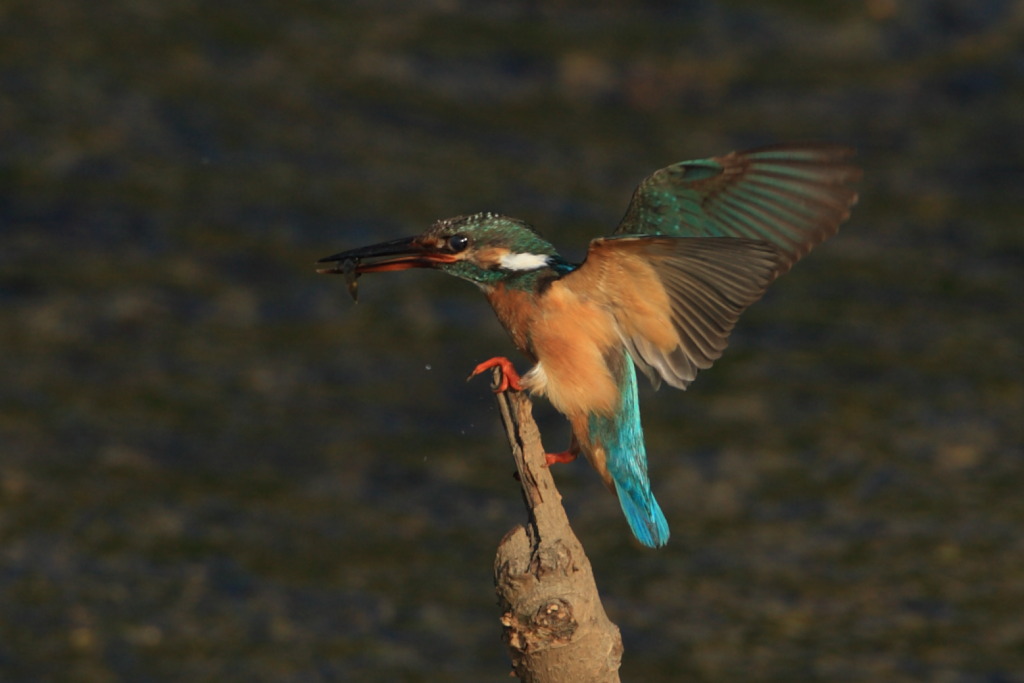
[{"x": 215, "y": 467}]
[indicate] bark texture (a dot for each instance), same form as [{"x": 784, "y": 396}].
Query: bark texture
[{"x": 553, "y": 621}]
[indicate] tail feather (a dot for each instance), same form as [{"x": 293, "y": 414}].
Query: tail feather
[
  {"x": 643, "y": 514},
  {"x": 624, "y": 460}
]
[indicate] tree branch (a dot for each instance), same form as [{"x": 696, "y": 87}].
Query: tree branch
[{"x": 555, "y": 626}]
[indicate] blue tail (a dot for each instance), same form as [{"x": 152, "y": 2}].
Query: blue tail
[
  {"x": 623, "y": 440},
  {"x": 643, "y": 514}
]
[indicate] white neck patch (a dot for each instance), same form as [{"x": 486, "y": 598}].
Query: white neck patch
[{"x": 523, "y": 261}]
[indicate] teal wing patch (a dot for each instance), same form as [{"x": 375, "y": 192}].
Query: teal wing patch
[{"x": 791, "y": 196}]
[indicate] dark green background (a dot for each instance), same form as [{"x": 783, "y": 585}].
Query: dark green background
[{"x": 213, "y": 467}]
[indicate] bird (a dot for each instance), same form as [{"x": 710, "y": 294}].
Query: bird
[{"x": 700, "y": 241}]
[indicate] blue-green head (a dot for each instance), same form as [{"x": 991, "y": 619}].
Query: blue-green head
[{"x": 484, "y": 248}]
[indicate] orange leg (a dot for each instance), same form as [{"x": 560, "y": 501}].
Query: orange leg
[
  {"x": 509, "y": 376},
  {"x": 565, "y": 456}
]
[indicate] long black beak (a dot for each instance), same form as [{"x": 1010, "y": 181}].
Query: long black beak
[
  {"x": 397, "y": 254},
  {"x": 400, "y": 254}
]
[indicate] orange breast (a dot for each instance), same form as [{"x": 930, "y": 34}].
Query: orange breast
[
  {"x": 571, "y": 336},
  {"x": 516, "y": 310},
  {"x": 568, "y": 335}
]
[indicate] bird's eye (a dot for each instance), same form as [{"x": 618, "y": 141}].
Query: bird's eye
[{"x": 458, "y": 242}]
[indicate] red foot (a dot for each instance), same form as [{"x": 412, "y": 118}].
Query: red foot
[
  {"x": 509, "y": 376},
  {"x": 563, "y": 457}
]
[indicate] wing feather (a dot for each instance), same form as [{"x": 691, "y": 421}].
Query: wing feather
[
  {"x": 791, "y": 196},
  {"x": 675, "y": 300}
]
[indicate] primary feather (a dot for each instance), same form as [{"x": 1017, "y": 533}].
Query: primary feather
[{"x": 790, "y": 196}]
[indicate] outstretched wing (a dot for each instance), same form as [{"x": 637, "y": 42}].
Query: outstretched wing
[
  {"x": 674, "y": 300},
  {"x": 791, "y": 196}
]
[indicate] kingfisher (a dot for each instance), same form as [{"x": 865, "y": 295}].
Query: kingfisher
[{"x": 700, "y": 242}]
